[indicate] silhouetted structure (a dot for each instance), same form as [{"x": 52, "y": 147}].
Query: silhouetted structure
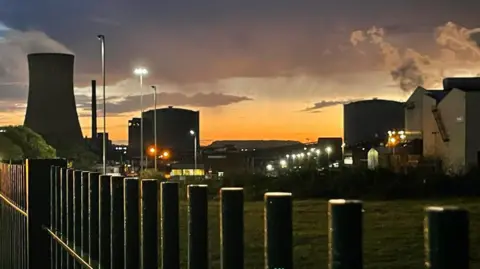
[
  {"x": 173, "y": 131},
  {"x": 369, "y": 121},
  {"x": 51, "y": 109}
]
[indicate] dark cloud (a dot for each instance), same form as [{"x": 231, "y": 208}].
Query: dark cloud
[
  {"x": 118, "y": 105},
  {"x": 207, "y": 40}
]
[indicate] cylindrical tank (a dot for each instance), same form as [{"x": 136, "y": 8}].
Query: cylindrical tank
[
  {"x": 173, "y": 129},
  {"x": 369, "y": 121},
  {"x": 466, "y": 84},
  {"x": 51, "y": 109}
]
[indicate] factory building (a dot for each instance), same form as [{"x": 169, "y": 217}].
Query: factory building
[
  {"x": 134, "y": 132},
  {"x": 51, "y": 109},
  {"x": 368, "y": 121},
  {"x": 173, "y": 131},
  {"x": 447, "y": 122}
]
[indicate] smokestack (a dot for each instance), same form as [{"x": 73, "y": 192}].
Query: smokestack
[{"x": 94, "y": 109}]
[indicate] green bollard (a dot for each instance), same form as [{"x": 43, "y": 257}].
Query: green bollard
[
  {"x": 70, "y": 217},
  {"x": 132, "y": 217},
  {"x": 117, "y": 253},
  {"x": 278, "y": 230},
  {"x": 84, "y": 216},
  {"x": 231, "y": 228},
  {"x": 77, "y": 211},
  {"x": 150, "y": 223},
  {"x": 105, "y": 221},
  {"x": 93, "y": 216},
  {"x": 197, "y": 226},
  {"x": 446, "y": 233},
  {"x": 170, "y": 256},
  {"x": 345, "y": 237}
]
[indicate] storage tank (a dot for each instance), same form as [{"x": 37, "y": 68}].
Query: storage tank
[
  {"x": 466, "y": 84},
  {"x": 369, "y": 121},
  {"x": 51, "y": 109},
  {"x": 173, "y": 129}
]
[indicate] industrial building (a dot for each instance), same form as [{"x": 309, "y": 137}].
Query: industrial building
[
  {"x": 51, "y": 110},
  {"x": 447, "y": 122},
  {"x": 173, "y": 132},
  {"x": 368, "y": 121},
  {"x": 134, "y": 136}
]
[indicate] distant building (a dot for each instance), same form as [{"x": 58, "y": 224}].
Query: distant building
[
  {"x": 446, "y": 121},
  {"x": 368, "y": 122},
  {"x": 173, "y": 131},
  {"x": 134, "y": 132}
]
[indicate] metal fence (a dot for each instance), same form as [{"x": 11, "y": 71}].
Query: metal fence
[
  {"x": 13, "y": 216},
  {"x": 87, "y": 220}
]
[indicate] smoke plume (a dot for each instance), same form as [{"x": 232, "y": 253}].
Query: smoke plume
[{"x": 458, "y": 54}]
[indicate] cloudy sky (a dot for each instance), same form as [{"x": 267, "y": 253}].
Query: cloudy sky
[{"x": 270, "y": 69}]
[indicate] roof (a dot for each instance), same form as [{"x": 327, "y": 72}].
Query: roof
[
  {"x": 374, "y": 100},
  {"x": 258, "y": 144},
  {"x": 438, "y": 95}
]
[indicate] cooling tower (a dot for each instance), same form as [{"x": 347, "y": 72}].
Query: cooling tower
[{"x": 51, "y": 109}]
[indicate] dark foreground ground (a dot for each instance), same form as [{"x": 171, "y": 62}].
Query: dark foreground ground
[{"x": 393, "y": 235}]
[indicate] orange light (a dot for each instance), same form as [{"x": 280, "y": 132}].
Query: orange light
[
  {"x": 165, "y": 154},
  {"x": 151, "y": 150}
]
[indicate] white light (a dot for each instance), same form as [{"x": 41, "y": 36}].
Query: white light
[
  {"x": 318, "y": 152},
  {"x": 269, "y": 167},
  {"x": 287, "y": 156},
  {"x": 328, "y": 150},
  {"x": 302, "y": 154},
  {"x": 308, "y": 153},
  {"x": 283, "y": 163},
  {"x": 140, "y": 71},
  {"x": 192, "y": 132},
  {"x": 312, "y": 149},
  {"x": 402, "y": 136},
  {"x": 294, "y": 156}
]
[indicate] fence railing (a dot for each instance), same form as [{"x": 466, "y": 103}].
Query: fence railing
[
  {"x": 13, "y": 216},
  {"x": 78, "y": 219}
]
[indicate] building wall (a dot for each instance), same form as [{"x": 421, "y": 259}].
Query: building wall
[
  {"x": 472, "y": 121},
  {"x": 414, "y": 111},
  {"x": 430, "y": 133},
  {"x": 452, "y": 153}
]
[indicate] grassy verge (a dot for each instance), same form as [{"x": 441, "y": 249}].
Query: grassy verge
[{"x": 393, "y": 235}]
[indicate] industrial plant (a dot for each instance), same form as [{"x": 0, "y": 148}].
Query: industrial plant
[
  {"x": 446, "y": 121},
  {"x": 433, "y": 127},
  {"x": 51, "y": 109}
]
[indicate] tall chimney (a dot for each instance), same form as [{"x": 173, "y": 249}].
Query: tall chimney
[{"x": 94, "y": 109}]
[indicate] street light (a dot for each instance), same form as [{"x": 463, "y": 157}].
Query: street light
[
  {"x": 155, "y": 121},
  {"x": 141, "y": 72},
  {"x": 104, "y": 146},
  {"x": 192, "y": 133}
]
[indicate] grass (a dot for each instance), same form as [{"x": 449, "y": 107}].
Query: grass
[{"x": 393, "y": 234}]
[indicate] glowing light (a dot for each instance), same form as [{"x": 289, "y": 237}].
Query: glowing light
[
  {"x": 269, "y": 167},
  {"x": 283, "y": 163},
  {"x": 328, "y": 150},
  {"x": 141, "y": 71}
]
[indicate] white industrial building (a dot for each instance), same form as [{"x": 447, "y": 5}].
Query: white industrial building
[{"x": 448, "y": 122}]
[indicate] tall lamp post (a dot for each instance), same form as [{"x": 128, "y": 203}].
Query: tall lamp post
[
  {"x": 155, "y": 123},
  {"x": 141, "y": 72},
  {"x": 192, "y": 133},
  {"x": 104, "y": 146}
]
